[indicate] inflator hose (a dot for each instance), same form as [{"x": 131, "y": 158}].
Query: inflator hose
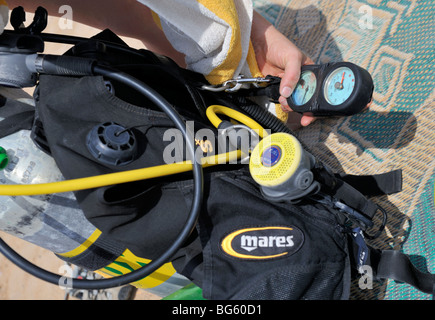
[
  {"x": 189, "y": 226},
  {"x": 265, "y": 118}
]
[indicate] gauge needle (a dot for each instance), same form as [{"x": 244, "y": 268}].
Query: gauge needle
[
  {"x": 339, "y": 85},
  {"x": 306, "y": 90},
  {"x": 342, "y": 80}
]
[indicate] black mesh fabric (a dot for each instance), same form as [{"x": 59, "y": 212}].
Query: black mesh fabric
[{"x": 302, "y": 283}]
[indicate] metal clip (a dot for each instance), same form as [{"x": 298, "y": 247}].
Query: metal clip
[{"x": 234, "y": 85}]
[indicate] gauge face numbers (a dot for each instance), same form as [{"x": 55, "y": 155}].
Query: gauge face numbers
[
  {"x": 305, "y": 88},
  {"x": 339, "y": 86}
]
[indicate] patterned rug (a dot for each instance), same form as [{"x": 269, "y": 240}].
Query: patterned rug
[{"x": 394, "y": 41}]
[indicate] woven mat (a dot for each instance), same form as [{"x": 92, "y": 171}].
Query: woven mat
[{"x": 394, "y": 41}]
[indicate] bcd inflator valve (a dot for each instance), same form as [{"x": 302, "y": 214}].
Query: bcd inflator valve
[
  {"x": 112, "y": 144},
  {"x": 20, "y": 62},
  {"x": 282, "y": 168}
]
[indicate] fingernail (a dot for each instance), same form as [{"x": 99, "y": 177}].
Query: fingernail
[
  {"x": 285, "y": 108},
  {"x": 286, "y": 92}
]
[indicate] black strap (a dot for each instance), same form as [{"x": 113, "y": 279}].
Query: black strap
[
  {"x": 16, "y": 116},
  {"x": 347, "y": 194},
  {"x": 375, "y": 185},
  {"x": 387, "y": 264},
  {"x": 395, "y": 265},
  {"x": 99, "y": 255},
  {"x": 343, "y": 192},
  {"x": 271, "y": 90},
  {"x": 15, "y": 123}
]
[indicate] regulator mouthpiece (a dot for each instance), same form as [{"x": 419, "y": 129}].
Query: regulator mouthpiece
[{"x": 282, "y": 168}]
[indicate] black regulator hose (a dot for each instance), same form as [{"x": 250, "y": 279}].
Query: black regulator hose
[
  {"x": 78, "y": 66},
  {"x": 264, "y": 117}
]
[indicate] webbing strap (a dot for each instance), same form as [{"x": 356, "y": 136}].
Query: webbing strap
[
  {"x": 397, "y": 266},
  {"x": 343, "y": 192},
  {"x": 347, "y": 194},
  {"x": 15, "y": 116},
  {"x": 15, "y": 123},
  {"x": 375, "y": 185},
  {"x": 100, "y": 254}
]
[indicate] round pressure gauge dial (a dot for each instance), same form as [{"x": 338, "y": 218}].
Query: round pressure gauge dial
[{"x": 340, "y": 88}]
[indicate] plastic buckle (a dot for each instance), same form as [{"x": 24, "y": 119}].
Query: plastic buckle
[{"x": 367, "y": 223}]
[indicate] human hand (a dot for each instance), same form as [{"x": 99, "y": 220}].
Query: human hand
[{"x": 278, "y": 56}]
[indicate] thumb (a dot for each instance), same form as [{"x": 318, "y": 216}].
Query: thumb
[
  {"x": 288, "y": 83},
  {"x": 292, "y": 74}
]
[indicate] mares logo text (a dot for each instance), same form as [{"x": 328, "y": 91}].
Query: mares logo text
[{"x": 263, "y": 242}]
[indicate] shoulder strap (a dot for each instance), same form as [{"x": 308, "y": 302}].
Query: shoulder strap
[
  {"x": 375, "y": 185},
  {"x": 395, "y": 265},
  {"x": 347, "y": 194},
  {"x": 388, "y": 264}
]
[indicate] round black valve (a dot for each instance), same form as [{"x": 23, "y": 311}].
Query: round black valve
[{"x": 112, "y": 144}]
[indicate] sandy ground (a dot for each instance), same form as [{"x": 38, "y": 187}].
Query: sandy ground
[{"x": 15, "y": 284}]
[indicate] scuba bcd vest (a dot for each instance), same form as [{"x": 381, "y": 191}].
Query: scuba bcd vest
[{"x": 250, "y": 242}]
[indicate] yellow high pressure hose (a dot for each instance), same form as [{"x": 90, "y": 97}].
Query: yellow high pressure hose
[
  {"x": 213, "y": 110},
  {"x": 138, "y": 174}
]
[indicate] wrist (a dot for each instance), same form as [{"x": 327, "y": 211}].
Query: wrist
[{"x": 260, "y": 26}]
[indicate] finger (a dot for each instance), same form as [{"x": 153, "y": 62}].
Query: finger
[
  {"x": 307, "y": 60},
  {"x": 284, "y": 104},
  {"x": 296, "y": 119},
  {"x": 307, "y": 119},
  {"x": 292, "y": 73},
  {"x": 290, "y": 79}
]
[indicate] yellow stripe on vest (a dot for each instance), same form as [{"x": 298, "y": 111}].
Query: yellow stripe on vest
[
  {"x": 128, "y": 262},
  {"x": 84, "y": 246}
]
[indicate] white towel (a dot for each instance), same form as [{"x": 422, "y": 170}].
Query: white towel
[
  {"x": 213, "y": 35},
  {"x": 4, "y": 15}
]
